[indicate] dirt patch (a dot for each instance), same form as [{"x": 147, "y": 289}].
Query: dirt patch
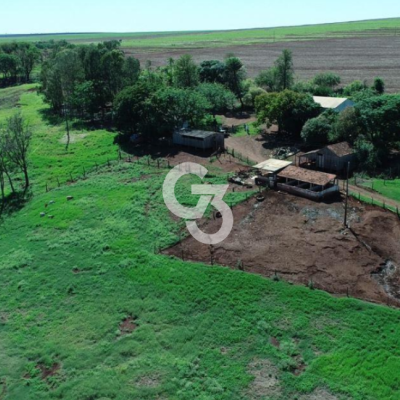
[
  {"x": 319, "y": 394},
  {"x": 127, "y": 325},
  {"x": 304, "y": 242},
  {"x": 236, "y": 119},
  {"x": 148, "y": 381},
  {"x": 352, "y": 58},
  {"x": 47, "y": 372},
  {"x": 275, "y": 342},
  {"x": 266, "y": 382},
  {"x": 73, "y": 138}
]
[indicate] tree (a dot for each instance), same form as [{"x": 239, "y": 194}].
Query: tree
[
  {"x": 9, "y": 64},
  {"x": 368, "y": 156},
  {"x": 6, "y": 166},
  {"x": 379, "y": 118},
  {"x": 130, "y": 105},
  {"x": 28, "y": 55},
  {"x": 17, "y": 139},
  {"x": 379, "y": 86},
  {"x": 347, "y": 127},
  {"x": 212, "y": 71},
  {"x": 112, "y": 63},
  {"x": 235, "y": 74},
  {"x": 327, "y": 80},
  {"x": 288, "y": 109},
  {"x": 131, "y": 71},
  {"x": 268, "y": 79},
  {"x": 186, "y": 72},
  {"x": 284, "y": 70},
  {"x": 354, "y": 87},
  {"x": 218, "y": 97},
  {"x": 316, "y": 131},
  {"x": 175, "y": 106},
  {"x": 251, "y": 95}
]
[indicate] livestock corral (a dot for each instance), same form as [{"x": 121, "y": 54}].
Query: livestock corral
[{"x": 305, "y": 242}]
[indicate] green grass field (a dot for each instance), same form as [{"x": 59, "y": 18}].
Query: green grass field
[
  {"x": 67, "y": 283},
  {"x": 227, "y": 38},
  {"x": 389, "y": 189}
]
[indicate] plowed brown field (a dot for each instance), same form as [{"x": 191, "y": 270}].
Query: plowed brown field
[{"x": 352, "y": 58}]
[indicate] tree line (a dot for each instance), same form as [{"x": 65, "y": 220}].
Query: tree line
[
  {"x": 98, "y": 82},
  {"x": 17, "y": 61},
  {"x": 15, "y": 138}
]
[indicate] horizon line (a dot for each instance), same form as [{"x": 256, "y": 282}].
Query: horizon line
[{"x": 194, "y": 31}]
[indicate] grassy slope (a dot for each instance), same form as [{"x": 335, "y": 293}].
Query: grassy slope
[
  {"x": 224, "y": 38},
  {"x": 389, "y": 189},
  {"x": 186, "y": 313}
]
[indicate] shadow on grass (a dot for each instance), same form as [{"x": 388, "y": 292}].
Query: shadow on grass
[
  {"x": 157, "y": 149},
  {"x": 52, "y": 118},
  {"x": 13, "y": 203}
]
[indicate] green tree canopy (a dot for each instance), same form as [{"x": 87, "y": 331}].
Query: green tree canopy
[
  {"x": 235, "y": 75},
  {"x": 288, "y": 109},
  {"x": 186, "y": 72},
  {"x": 218, "y": 97}
]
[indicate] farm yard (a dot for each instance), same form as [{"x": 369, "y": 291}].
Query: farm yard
[{"x": 103, "y": 292}]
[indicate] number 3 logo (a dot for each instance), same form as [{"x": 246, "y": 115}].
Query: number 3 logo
[{"x": 210, "y": 194}]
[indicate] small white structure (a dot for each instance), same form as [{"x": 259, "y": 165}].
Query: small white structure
[
  {"x": 199, "y": 139},
  {"x": 334, "y": 103},
  {"x": 272, "y": 165},
  {"x": 267, "y": 171}
]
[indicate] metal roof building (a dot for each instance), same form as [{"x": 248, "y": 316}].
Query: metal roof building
[
  {"x": 199, "y": 139},
  {"x": 334, "y": 157},
  {"x": 334, "y": 103},
  {"x": 272, "y": 165},
  {"x": 302, "y": 182}
]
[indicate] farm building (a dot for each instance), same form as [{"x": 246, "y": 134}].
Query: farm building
[
  {"x": 333, "y": 158},
  {"x": 313, "y": 185},
  {"x": 268, "y": 169},
  {"x": 204, "y": 140},
  {"x": 333, "y": 103}
]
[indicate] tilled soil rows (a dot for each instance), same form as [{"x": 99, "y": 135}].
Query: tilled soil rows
[
  {"x": 305, "y": 242},
  {"x": 352, "y": 58}
]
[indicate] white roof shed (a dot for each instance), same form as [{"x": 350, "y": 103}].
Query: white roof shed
[
  {"x": 273, "y": 165},
  {"x": 334, "y": 103}
]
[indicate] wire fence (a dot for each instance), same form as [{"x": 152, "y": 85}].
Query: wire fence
[
  {"x": 374, "y": 202},
  {"x": 239, "y": 156}
]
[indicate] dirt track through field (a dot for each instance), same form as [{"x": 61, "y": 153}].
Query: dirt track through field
[
  {"x": 305, "y": 242},
  {"x": 352, "y": 58}
]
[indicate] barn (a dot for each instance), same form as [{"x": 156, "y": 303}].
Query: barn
[
  {"x": 313, "y": 185},
  {"x": 198, "y": 139},
  {"x": 332, "y": 158},
  {"x": 338, "y": 104}
]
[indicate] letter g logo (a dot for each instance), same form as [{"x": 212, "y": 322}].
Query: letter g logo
[{"x": 209, "y": 194}]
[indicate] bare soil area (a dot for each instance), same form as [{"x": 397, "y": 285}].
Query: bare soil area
[
  {"x": 352, "y": 58},
  {"x": 305, "y": 242}
]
